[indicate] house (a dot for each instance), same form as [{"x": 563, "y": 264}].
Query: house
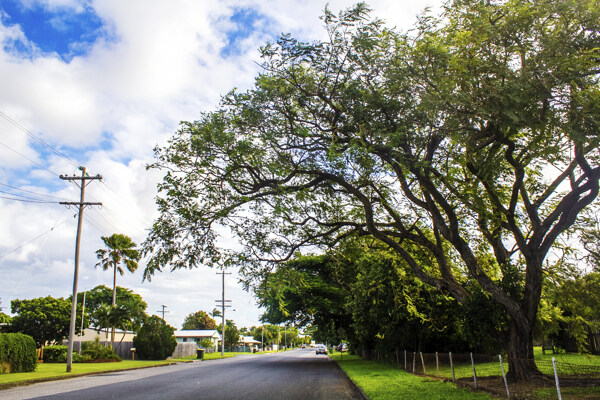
[
  {"x": 197, "y": 336},
  {"x": 90, "y": 334},
  {"x": 248, "y": 341}
]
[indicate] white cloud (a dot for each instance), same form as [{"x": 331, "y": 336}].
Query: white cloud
[{"x": 158, "y": 63}]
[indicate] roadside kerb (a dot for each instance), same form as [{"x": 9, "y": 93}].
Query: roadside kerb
[{"x": 358, "y": 388}]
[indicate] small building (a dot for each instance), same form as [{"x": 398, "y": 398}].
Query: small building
[
  {"x": 90, "y": 334},
  {"x": 189, "y": 335},
  {"x": 248, "y": 341}
]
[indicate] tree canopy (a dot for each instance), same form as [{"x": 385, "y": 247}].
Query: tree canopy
[
  {"x": 199, "y": 320},
  {"x": 45, "y": 319},
  {"x": 472, "y": 142},
  {"x": 98, "y": 301}
]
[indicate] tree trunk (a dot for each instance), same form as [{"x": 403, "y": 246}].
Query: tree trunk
[{"x": 521, "y": 366}]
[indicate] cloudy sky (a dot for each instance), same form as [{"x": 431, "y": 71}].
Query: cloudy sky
[{"x": 99, "y": 84}]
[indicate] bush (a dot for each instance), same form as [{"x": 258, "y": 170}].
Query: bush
[
  {"x": 95, "y": 351},
  {"x": 155, "y": 340},
  {"x": 90, "y": 351},
  {"x": 55, "y": 354},
  {"x": 18, "y": 352}
]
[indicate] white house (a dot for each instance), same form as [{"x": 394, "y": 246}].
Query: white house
[
  {"x": 197, "y": 336},
  {"x": 248, "y": 341}
]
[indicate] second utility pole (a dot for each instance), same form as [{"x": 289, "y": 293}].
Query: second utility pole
[
  {"x": 222, "y": 301},
  {"x": 81, "y": 205}
]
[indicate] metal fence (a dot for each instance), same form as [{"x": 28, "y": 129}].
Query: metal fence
[{"x": 558, "y": 379}]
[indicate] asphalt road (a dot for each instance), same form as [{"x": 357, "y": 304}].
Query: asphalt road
[{"x": 298, "y": 374}]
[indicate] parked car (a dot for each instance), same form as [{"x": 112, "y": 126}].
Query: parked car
[
  {"x": 320, "y": 349},
  {"x": 342, "y": 347},
  {"x": 303, "y": 346}
]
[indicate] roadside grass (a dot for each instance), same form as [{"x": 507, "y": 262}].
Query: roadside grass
[
  {"x": 544, "y": 363},
  {"x": 383, "y": 382},
  {"x": 48, "y": 371}
]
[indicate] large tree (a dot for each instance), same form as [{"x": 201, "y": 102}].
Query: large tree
[
  {"x": 45, "y": 319},
  {"x": 199, "y": 320},
  {"x": 119, "y": 249},
  {"x": 100, "y": 297},
  {"x": 474, "y": 139}
]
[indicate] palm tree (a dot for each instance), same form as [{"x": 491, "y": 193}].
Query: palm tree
[{"x": 120, "y": 248}]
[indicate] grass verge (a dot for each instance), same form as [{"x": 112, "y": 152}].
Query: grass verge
[
  {"x": 382, "y": 382},
  {"x": 52, "y": 371}
]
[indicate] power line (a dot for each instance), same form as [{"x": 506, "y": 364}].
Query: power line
[
  {"x": 23, "y": 197},
  {"x": 28, "y": 200},
  {"x": 35, "y": 238},
  {"x": 37, "y": 139},
  {"x": 29, "y": 191},
  {"x": 27, "y": 158}
]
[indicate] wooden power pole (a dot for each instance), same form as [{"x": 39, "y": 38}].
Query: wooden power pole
[
  {"x": 223, "y": 306},
  {"x": 80, "y": 205}
]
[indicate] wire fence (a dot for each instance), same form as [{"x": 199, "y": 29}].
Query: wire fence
[{"x": 556, "y": 379}]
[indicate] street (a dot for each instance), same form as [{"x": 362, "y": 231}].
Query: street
[{"x": 297, "y": 374}]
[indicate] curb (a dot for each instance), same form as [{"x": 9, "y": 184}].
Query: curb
[{"x": 352, "y": 383}]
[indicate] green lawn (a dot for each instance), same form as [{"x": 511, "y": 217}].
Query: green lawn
[
  {"x": 463, "y": 369},
  {"x": 58, "y": 370},
  {"x": 382, "y": 382}
]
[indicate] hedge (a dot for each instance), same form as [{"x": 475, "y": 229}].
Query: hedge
[
  {"x": 17, "y": 353},
  {"x": 92, "y": 351}
]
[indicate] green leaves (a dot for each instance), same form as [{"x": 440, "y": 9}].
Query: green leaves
[{"x": 471, "y": 142}]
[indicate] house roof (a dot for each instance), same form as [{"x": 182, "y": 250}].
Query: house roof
[
  {"x": 201, "y": 333},
  {"x": 248, "y": 339}
]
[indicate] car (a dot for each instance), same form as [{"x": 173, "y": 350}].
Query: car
[
  {"x": 342, "y": 347},
  {"x": 303, "y": 346},
  {"x": 320, "y": 349}
]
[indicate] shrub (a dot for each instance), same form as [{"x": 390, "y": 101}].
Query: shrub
[
  {"x": 207, "y": 343},
  {"x": 58, "y": 354},
  {"x": 155, "y": 340},
  {"x": 55, "y": 354},
  {"x": 18, "y": 352},
  {"x": 96, "y": 351}
]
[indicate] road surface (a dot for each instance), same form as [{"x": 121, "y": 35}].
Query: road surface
[{"x": 297, "y": 374}]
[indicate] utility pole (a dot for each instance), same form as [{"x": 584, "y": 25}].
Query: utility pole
[
  {"x": 262, "y": 339},
  {"x": 163, "y": 312},
  {"x": 81, "y": 205},
  {"x": 223, "y": 301}
]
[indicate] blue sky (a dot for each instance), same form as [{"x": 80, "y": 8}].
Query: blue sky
[
  {"x": 54, "y": 30},
  {"x": 101, "y": 83}
]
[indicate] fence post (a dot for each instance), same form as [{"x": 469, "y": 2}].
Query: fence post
[
  {"x": 437, "y": 364},
  {"x": 423, "y": 363},
  {"x": 406, "y": 369},
  {"x": 504, "y": 376},
  {"x": 414, "y": 360},
  {"x": 474, "y": 374},
  {"x": 556, "y": 379},
  {"x": 451, "y": 366}
]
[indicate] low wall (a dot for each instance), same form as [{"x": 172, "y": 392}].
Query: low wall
[
  {"x": 123, "y": 349},
  {"x": 184, "y": 349}
]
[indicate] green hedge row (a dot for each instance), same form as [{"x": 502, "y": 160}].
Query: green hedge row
[
  {"x": 91, "y": 351},
  {"x": 17, "y": 352}
]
